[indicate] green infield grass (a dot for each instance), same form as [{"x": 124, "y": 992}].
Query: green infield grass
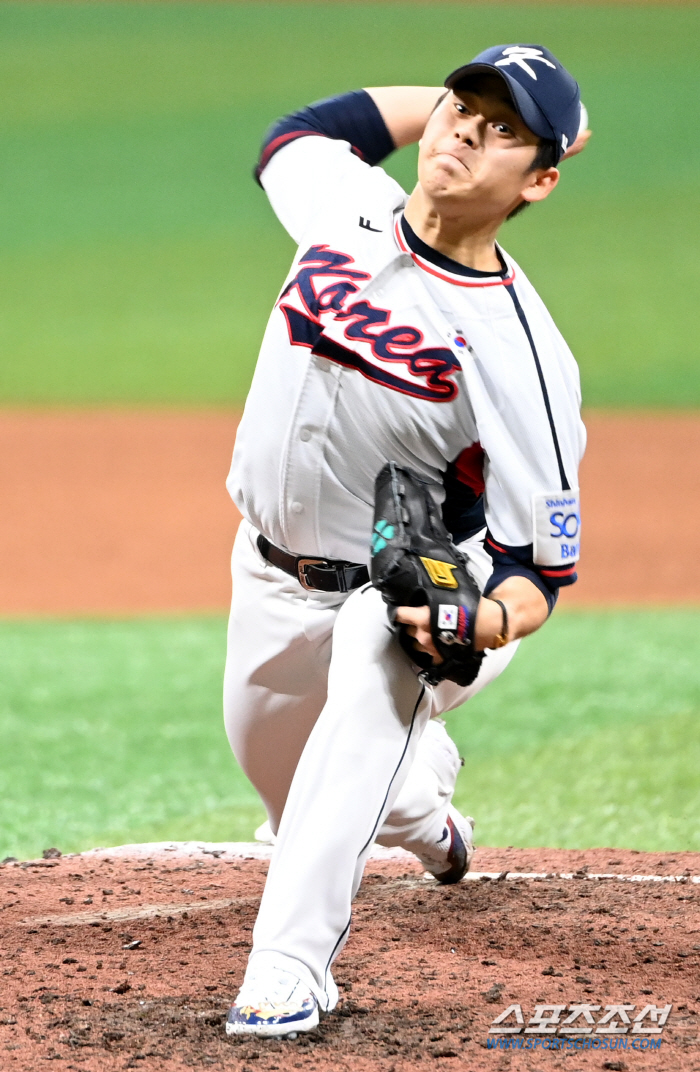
[
  {"x": 112, "y": 733},
  {"x": 138, "y": 261}
]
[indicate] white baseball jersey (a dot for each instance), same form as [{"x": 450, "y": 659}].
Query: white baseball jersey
[{"x": 379, "y": 349}]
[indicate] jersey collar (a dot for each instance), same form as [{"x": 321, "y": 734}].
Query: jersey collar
[{"x": 437, "y": 264}]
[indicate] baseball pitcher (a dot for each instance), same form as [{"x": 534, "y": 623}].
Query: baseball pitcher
[{"x": 406, "y": 468}]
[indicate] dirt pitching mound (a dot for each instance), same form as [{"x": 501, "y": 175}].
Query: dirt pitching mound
[{"x": 130, "y": 962}]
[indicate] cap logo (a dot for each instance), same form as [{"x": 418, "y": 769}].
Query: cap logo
[{"x": 519, "y": 54}]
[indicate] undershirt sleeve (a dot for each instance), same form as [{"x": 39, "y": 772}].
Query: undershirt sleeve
[
  {"x": 517, "y": 562},
  {"x": 352, "y": 117}
]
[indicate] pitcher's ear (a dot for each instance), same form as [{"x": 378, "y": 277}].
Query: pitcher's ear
[{"x": 540, "y": 185}]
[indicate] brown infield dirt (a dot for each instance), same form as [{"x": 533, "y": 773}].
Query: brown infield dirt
[
  {"x": 131, "y": 963},
  {"x": 125, "y": 512}
]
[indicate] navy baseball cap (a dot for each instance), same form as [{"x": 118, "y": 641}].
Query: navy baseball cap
[{"x": 545, "y": 95}]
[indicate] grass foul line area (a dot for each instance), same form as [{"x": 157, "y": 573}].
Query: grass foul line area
[{"x": 113, "y": 735}]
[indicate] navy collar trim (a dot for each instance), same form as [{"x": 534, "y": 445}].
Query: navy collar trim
[{"x": 422, "y": 249}]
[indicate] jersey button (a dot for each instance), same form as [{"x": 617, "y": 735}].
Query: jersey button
[
  {"x": 297, "y": 507},
  {"x": 305, "y": 435}
]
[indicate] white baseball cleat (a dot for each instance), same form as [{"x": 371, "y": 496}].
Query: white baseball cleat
[
  {"x": 273, "y": 1004},
  {"x": 452, "y": 856},
  {"x": 264, "y": 834}
]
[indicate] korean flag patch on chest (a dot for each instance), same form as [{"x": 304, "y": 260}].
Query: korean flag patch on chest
[{"x": 556, "y": 517}]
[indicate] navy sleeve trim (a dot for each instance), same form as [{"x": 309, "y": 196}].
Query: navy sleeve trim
[
  {"x": 517, "y": 562},
  {"x": 502, "y": 573},
  {"x": 352, "y": 117}
]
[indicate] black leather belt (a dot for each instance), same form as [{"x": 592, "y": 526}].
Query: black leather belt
[{"x": 315, "y": 574}]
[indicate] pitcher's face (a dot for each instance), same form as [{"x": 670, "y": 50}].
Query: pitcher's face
[{"x": 476, "y": 152}]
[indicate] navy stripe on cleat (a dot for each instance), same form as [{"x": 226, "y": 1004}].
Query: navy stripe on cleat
[
  {"x": 452, "y": 856},
  {"x": 274, "y": 1004}
]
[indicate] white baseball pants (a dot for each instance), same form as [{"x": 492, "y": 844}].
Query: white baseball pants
[{"x": 331, "y": 723}]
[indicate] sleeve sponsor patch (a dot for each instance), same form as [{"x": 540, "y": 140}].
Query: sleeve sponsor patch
[{"x": 556, "y": 519}]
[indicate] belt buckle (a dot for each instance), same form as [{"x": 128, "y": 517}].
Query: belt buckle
[{"x": 302, "y": 566}]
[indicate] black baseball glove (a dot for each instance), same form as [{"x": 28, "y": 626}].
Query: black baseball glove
[{"x": 415, "y": 563}]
